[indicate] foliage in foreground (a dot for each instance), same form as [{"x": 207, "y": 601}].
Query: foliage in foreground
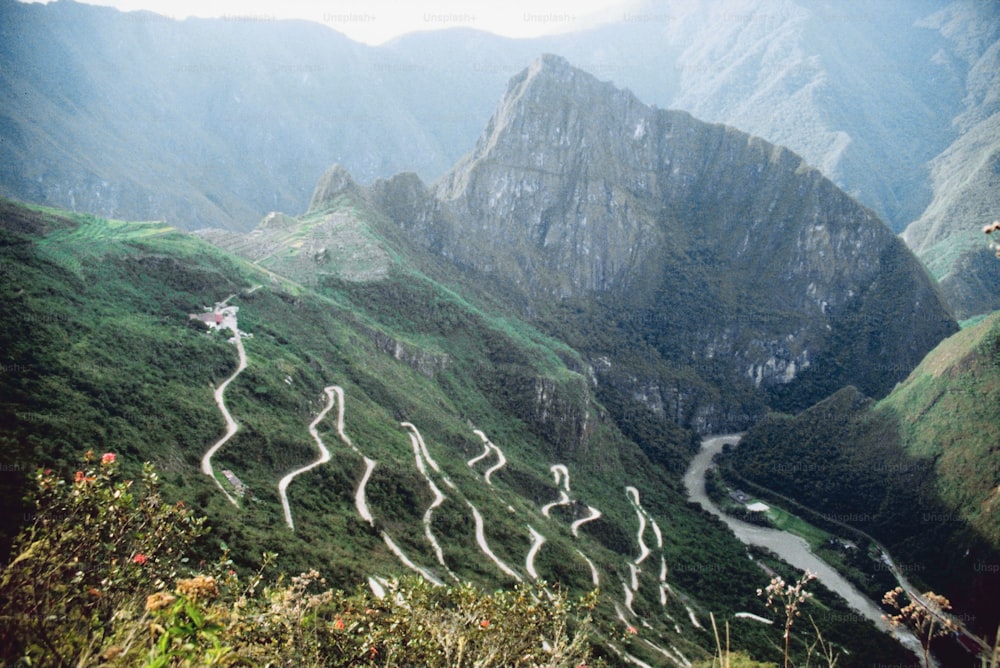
[{"x": 98, "y": 579}]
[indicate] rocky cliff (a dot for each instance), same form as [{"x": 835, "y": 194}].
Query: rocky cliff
[{"x": 718, "y": 244}]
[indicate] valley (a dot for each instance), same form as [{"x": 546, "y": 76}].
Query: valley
[
  {"x": 792, "y": 548},
  {"x": 481, "y": 504},
  {"x": 554, "y": 349}
]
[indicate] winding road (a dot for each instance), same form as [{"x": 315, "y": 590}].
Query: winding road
[
  {"x": 575, "y": 526},
  {"x": 537, "y": 540},
  {"x": 324, "y": 453},
  {"x": 231, "y": 425},
  {"x": 644, "y": 551},
  {"x": 561, "y": 475},
  {"x": 484, "y": 546},
  {"x": 421, "y": 455},
  {"x": 501, "y": 459}
]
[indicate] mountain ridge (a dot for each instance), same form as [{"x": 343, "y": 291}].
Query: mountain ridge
[
  {"x": 611, "y": 197},
  {"x": 650, "y": 221}
]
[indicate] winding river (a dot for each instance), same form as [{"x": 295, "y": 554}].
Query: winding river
[{"x": 793, "y": 549}]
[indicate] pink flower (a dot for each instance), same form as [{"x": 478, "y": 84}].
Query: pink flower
[
  {"x": 140, "y": 558},
  {"x": 108, "y": 458},
  {"x": 632, "y": 630}
]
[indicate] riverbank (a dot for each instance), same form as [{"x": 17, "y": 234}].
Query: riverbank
[{"x": 791, "y": 548}]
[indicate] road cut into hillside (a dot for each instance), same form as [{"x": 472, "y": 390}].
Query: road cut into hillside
[
  {"x": 485, "y": 548},
  {"x": 561, "y": 475},
  {"x": 537, "y": 540},
  {"x": 594, "y": 515},
  {"x": 644, "y": 551},
  {"x": 324, "y": 455},
  {"x": 422, "y": 458},
  {"x": 231, "y": 425}
]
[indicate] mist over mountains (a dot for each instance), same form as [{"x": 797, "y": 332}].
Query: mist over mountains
[
  {"x": 509, "y": 262},
  {"x": 214, "y": 123}
]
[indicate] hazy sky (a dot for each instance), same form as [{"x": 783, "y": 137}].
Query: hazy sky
[{"x": 375, "y": 21}]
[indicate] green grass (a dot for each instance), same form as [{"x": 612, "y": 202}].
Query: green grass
[
  {"x": 782, "y": 519},
  {"x": 947, "y": 411}
]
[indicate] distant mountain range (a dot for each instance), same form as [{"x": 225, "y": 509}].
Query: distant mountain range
[
  {"x": 594, "y": 286},
  {"x": 213, "y": 123}
]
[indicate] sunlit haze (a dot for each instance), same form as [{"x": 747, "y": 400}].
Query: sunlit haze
[{"x": 377, "y": 21}]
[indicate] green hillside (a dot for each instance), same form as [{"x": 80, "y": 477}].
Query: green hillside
[
  {"x": 946, "y": 411},
  {"x": 99, "y": 352},
  {"x": 918, "y": 470}
]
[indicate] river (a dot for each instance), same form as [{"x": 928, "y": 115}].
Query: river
[{"x": 793, "y": 549}]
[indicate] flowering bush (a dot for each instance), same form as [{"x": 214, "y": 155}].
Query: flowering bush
[
  {"x": 789, "y": 597},
  {"x": 99, "y": 579},
  {"x": 93, "y": 543}
]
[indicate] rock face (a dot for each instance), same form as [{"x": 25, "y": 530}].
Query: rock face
[
  {"x": 720, "y": 248},
  {"x": 965, "y": 177}
]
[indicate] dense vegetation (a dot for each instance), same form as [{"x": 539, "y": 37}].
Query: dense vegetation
[
  {"x": 848, "y": 461},
  {"x": 113, "y": 363},
  {"x": 103, "y": 577}
]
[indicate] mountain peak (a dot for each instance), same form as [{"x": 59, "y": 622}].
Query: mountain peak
[
  {"x": 577, "y": 189},
  {"x": 335, "y": 181}
]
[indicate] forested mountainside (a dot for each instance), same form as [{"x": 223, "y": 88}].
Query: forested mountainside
[
  {"x": 411, "y": 387},
  {"x": 917, "y": 470}
]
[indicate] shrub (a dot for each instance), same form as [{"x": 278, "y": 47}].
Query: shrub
[
  {"x": 93, "y": 543},
  {"x": 99, "y": 578}
]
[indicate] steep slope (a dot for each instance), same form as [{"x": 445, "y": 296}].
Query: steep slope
[
  {"x": 946, "y": 410},
  {"x": 964, "y": 177},
  {"x": 199, "y": 122},
  {"x": 824, "y": 81},
  {"x": 248, "y": 111},
  {"x": 717, "y": 254},
  {"x": 116, "y": 363},
  {"x": 918, "y": 470}
]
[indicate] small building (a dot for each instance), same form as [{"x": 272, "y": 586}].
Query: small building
[
  {"x": 758, "y": 507},
  {"x": 739, "y": 496},
  {"x": 241, "y": 489},
  {"x": 212, "y": 319}
]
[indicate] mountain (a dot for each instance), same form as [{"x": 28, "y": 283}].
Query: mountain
[
  {"x": 917, "y": 470},
  {"x": 964, "y": 179},
  {"x": 204, "y": 123},
  {"x": 206, "y": 95},
  {"x": 945, "y": 412},
  {"x": 462, "y": 426},
  {"x": 727, "y": 258}
]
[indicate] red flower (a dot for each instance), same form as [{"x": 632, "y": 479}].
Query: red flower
[
  {"x": 485, "y": 623},
  {"x": 140, "y": 558},
  {"x": 338, "y": 624},
  {"x": 47, "y": 471},
  {"x": 108, "y": 458}
]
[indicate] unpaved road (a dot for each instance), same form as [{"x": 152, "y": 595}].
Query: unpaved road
[
  {"x": 324, "y": 455},
  {"x": 231, "y": 425}
]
